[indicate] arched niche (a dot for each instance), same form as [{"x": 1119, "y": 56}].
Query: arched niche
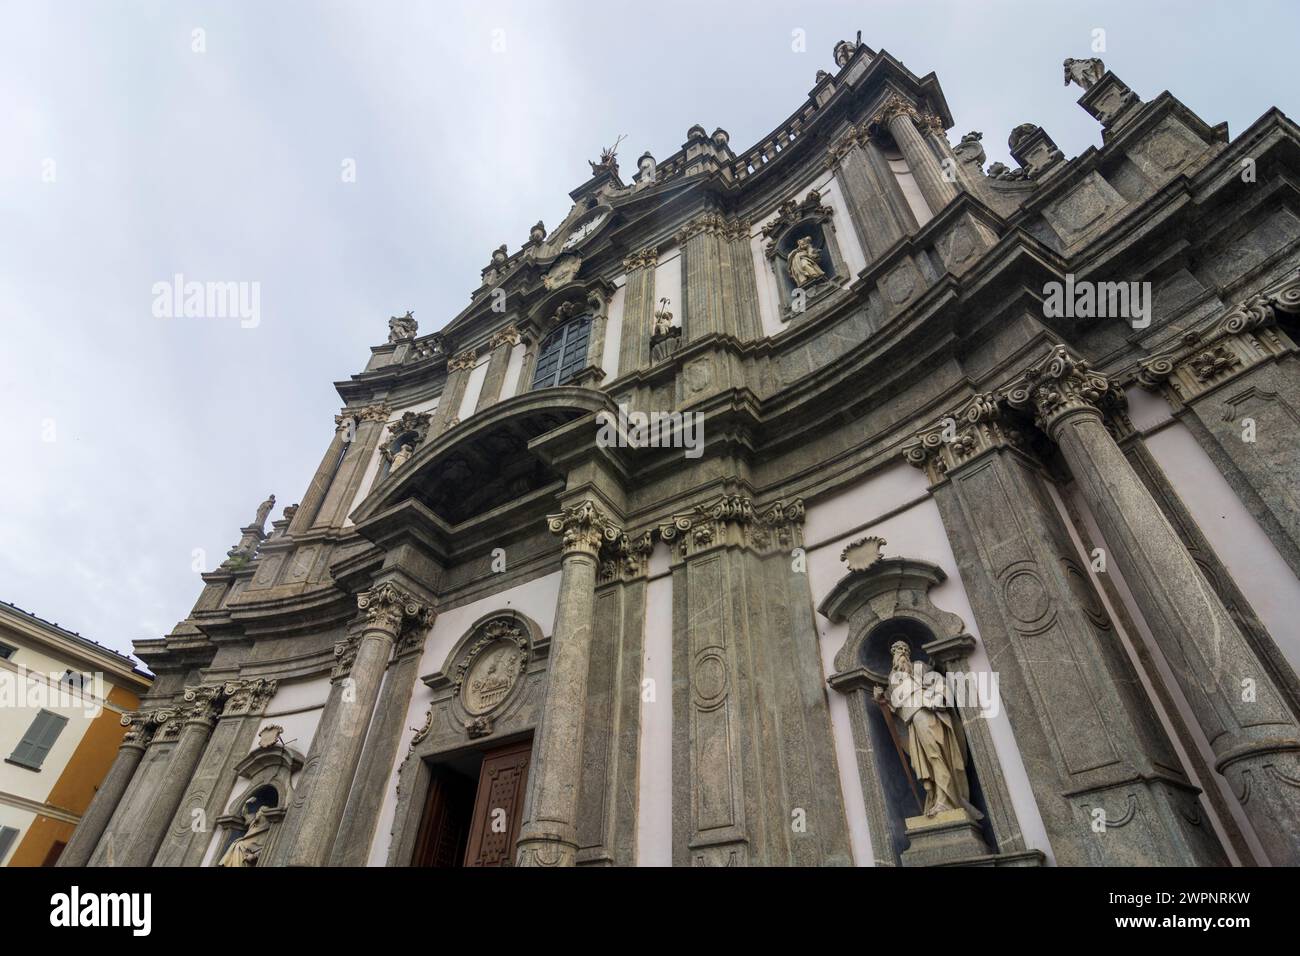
[
  {"x": 886, "y": 602},
  {"x": 489, "y": 691},
  {"x": 267, "y": 774},
  {"x": 809, "y": 220}
]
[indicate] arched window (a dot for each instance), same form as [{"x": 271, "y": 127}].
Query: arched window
[{"x": 563, "y": 353}]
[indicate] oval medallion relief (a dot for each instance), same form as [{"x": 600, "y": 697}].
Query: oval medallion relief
[{"x": 492, "y": 667}]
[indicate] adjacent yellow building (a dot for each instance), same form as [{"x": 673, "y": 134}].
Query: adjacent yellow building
[{"x": 61, "y": 700}]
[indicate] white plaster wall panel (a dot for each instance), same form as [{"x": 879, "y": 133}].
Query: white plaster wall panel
[
  {"x": 911, "y": 191},
  {"x": 514, "y": 366},
  {"x": 1243, "y": 547},
  {"x": 845, "y": 234},
  {"x": 535, "y": 598},
  {"x": 613, "y": 333},
  {"x": 915, "y": 532},
  {"x": 473, "y": 388},
  {"x": 654, "y": 825}
]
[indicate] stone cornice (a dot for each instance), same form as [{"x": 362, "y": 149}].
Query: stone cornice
[{"x": 1242, "y": 339}]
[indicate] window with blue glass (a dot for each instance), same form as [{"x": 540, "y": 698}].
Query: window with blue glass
[{"x": 563, "y": 353}]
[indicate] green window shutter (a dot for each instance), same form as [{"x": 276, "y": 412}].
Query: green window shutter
[
  {"x": 7, "y": 837},
  {"x": 40, "y": 737}
]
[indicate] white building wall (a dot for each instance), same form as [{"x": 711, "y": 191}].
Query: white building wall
[
  {"x": 473, "y": 388},
  {"x": 654, "y": 839},
  {"x": 514, "y": 366},
  {"x": 613, "y": 332}
]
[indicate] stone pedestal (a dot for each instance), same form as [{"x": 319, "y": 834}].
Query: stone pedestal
[{"x": 947, "y": 837}]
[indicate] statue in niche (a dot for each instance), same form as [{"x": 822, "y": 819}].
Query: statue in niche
[
  {"x": 935, "y": 747},
  {"x": 805, "y": 269},
  {"x": 263, "y": 510},
  {"x": 403, "y": 455},
  {"x": 1086, "y": 73},
  {"x": 663, "y": 326},
  {"x": 245, "y": 851}
]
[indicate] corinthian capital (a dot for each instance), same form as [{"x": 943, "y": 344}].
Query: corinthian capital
[
  {"x": 973, "y": 428},
  {"x": 895, "y": 107},
  {"x": 202, "y": 704},
  {"x": 141, "y": 726},
  {"x": 462, "y": 360},
  {"x": 584, "y": 528},
  {"x": 388, "y": 608},
  {"x": 1058, "y": 386}
]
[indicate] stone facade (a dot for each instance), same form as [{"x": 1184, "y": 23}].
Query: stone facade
[{"x": 1029, "y": 435}]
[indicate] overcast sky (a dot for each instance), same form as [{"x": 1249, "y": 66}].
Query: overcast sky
[{"x": 126, "y": 157}]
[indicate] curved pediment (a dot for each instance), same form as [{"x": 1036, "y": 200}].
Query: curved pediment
[{"x": 484, "y": 462}]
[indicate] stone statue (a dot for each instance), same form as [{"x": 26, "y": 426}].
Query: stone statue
[
  {"x": 1086, "y": 73},
  {"x": 264, "y": 509},
  {"x": 935, "y": 747},
  {"x": 663, "y": 326},
  {"x": 804, "y": 267},
  {"x": 537, "y": 233},
  {"x": 403, "y": 455},
  {"x": 402, "y": 328},
  {"x": 608, "y": 160},
  {"x": 245, "y": 851},
  {"x": 289, "y": 512}
]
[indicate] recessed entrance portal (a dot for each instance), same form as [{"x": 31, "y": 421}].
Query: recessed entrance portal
[{"x": 474, "y": 808}]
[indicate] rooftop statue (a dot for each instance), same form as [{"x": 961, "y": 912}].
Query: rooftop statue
[{"x": 1086, "y": 73}]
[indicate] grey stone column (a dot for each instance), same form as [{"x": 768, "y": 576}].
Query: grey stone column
[
  {"x": 901, "y": 118},
  {"x": 209, "y": 788},
  {"x": 309, "y": 507},
  {"x": 739, "y": 287},
  {"x": 752, "y": 746},
  {"x": 701, "y": 276},
  {"x": 387, "y": 609},
  {"x": 550, "y": 835},
  {"x": 1090, "y": 740},
  {"x": 361, "y": 816},
  {"x": 109, "y": 795},
  {"x": 871, "y": 200},
  {"x": 369, "y": 428},
  {"x": 1255, "y": 738},
  {"x": 197, "y": 717},
  {"x": 453, "y": 390},
  {"x": 638, "y": 310},
  {"x": 499, "y": 357}
]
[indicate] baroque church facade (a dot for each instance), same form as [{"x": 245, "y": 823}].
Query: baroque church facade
[{"x": 1031, "y": 434}]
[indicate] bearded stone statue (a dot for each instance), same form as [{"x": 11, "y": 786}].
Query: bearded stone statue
[
  {"x": 935, "y": 747},
  {"x": 245, "y": 851}
]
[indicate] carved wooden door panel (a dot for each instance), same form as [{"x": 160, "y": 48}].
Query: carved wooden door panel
[
  {"x": 444, "y": 829},
  {"x": 499, "y": 806}
]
